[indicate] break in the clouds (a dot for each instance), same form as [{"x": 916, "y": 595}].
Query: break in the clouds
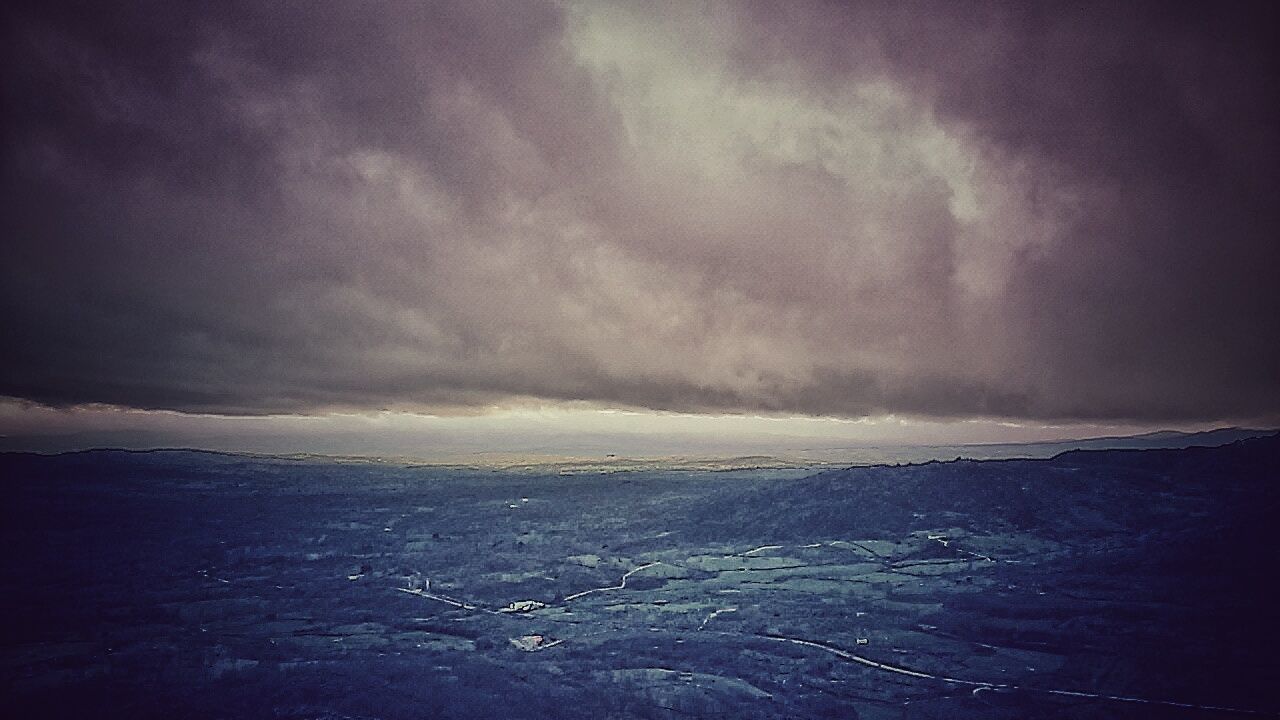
[{"x": 1022, "y": 210}]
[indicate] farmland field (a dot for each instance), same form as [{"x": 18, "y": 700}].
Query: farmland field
[{"x": 1101, "y": 584}]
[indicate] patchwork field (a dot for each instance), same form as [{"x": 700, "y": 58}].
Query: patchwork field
[{"x": 1110, "y": 584}]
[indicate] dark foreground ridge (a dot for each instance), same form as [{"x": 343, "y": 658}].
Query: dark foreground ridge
[{"x": 1096, "y": 584}]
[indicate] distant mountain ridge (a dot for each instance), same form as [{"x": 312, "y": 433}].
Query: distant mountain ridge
[
  {"x": 816, "y": 459},
  {"x": 1160, "y": 439}
]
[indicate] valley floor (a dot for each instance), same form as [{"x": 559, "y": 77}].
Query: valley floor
[{"x": 1093, "y": 585}]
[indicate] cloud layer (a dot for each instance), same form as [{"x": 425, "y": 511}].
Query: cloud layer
[{"x": 948, "y": 210}]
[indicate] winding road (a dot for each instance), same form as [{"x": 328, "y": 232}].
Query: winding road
[{"x": 977, "y": 685}]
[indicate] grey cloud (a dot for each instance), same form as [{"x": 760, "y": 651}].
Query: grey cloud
[{"x": 1005, "y": 210}]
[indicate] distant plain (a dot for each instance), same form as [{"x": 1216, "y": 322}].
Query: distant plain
[{"x": 1097, "y": 584}]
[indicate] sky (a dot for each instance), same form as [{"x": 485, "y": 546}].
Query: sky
[{"x": 879, "y": 222}]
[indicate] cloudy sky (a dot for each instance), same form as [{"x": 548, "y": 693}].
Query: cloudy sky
[{"x": 995, "y": 215}]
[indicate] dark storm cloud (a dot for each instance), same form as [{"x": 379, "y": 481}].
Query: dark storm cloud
[{"x": 1032, "y": 211}]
